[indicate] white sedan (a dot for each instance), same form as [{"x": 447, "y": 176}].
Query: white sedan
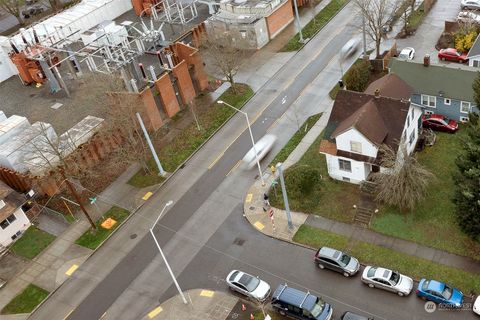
[
  {"x": 388, "y": 280},
  {"x": 248, "y": 285},
  {"x": 407, "y": 53},
  {"x": 262, "y": 147},
  {"x": 476, "y": 306},
  {"x": 349, "y": 48}
]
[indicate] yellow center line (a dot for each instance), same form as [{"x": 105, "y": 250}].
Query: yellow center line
[
  {"x": 147, "y": 195},
  {"x": 155, "y": 312},
  {"x": 234, "y": 167},
  {"x": 68, "y": 314},
  {"x": 216, "y": 160}
]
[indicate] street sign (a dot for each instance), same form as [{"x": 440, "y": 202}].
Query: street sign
[
  {"x": 93, "y": 200},
  {"x": 270, "y": 213},
  {"x": 274, "y": 183}
]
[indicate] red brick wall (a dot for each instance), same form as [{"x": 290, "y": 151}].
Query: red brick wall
[
  {"x": 184, "y": 82},
  {"x": 279, "y": 19},
  {"x": 167, "y": 95},
  {"x": 150, "y": 114},
  {"x": 192, "y": 57}
]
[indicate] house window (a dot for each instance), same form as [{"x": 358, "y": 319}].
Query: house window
[
  {"x": 346, "y": 179},
  {"x": 5, "y": 223},
  {"x": 345, "y": 165},
  {"x": 428, "y": 112},
  {"x": 16, "y": 235},
  {"x": 412, "y": 137},
  {"x": 429, "y": 101},
  {"x": 465, "y": 107},
  {"x": 476, "y": 63},
  {"x": 447, "y": 101},
  {"x": 408, "y": 122},
  {"x": 356, "y": 146},
  {"x": 404, "y": 135},
  {"x": 412, "y": 113}
]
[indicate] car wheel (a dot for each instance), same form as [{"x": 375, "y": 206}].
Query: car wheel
[
  {"x": 346, "y": 274},
  {"x": 321, "y": 266},
  {"x": 401, "y": 294},
  {"x": 423, "y": 298},
  {"x": 371, "y": 285}
]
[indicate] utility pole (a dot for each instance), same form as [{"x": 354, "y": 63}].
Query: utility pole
[
  {"x": 161, "y": 172},
  {"x": 285, "y": 196},
  {"x": 299, "y": 26},
  {"x": 77, "y": 197},
  {"x": 364, "y": 35}
]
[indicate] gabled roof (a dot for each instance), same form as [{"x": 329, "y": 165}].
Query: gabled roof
[
  {"x": 12, "y": 199},
  {"x": 453, "y": 82},
  {"x": 379, "y": 119},
  {"x": 475, "y": 49},
  {"x": 391, "y": 86}
]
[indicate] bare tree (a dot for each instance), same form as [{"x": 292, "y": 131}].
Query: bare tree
[
  {"x": 376, "y": 13},
  {"x": 13, "y": 7},
  {"x": 54, "y": 4},
  {"x": 224, "y": 54},
  {"x": 404, "y": 182}
]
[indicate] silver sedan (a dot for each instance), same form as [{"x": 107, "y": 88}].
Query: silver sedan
[
  {"x": 248, "y": 285},
  {"x": 388, "y": 280}
]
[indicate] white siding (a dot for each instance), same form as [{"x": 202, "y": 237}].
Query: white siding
[
  {"x": 474, "y": 61},
  {"x": 343, "y": 142},
  {"x": 358, "y": 173},
  {"x": 20, "y": 224},
  {"x": 412, "y": 128}
]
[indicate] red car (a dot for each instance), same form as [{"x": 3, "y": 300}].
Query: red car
[
  {"x": 439, "y": 123},
  {"x": 451, "y": 54}
]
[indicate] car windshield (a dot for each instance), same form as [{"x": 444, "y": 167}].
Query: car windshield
[
  {"x": 425, "y": 285},
  {"x": 251, "y": 283},
  {"x": 447, "y": 292},
  {"x": 317, "y": 308},
  {"x": 395, "y": 278},
  {"x": 345, "y": 259},
  {"x": 371, "y": 272}
]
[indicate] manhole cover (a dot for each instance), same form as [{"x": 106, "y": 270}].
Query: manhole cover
[
  {"x": 238, "y": 241},
  {"x": 133, "y": 236}
]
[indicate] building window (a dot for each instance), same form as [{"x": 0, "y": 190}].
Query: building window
[
  {"x": 5, "y": 223},
  {"x": 412, "y": 137},
  {"x": 476, "y": 63},
  {"x": 412, "y": 113},
  {"x": 447, "y": 101},
  {"x": 345, "y": 165},
  {"x": 465, "y": 107},
  {"x": 428, "y": 112},
  {"x": 404, "y": 135},
  {"x": 356, "y": 146},
  {"x": 429, "y": 101},
  {"x": 408, "y": 122},
  {"x": 16, "y": 235},
  {"x": 346, "y": 179}
]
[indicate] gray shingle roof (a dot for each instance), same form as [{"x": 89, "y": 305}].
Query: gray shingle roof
[
  {"x": 455, "y": 83},
  {"x": 475, "y": 49}
]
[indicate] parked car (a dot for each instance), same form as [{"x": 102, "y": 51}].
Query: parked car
[
  {"x": 439, "y": 292},
  {"x": 386, "y": 279},
  {"x": 452, "y": 54},
  {"x": 468, "y": 17},
  {"x": 262, "y": 147},
  {"x": 300, "y": 305},
  {"x": 439, "y": 123},
  {"x": 407, "y": 53},
  {"x": 470, "y": 4},
  {"x": 476, "y": 306},
  {"x": 337, "y": 261},
  {"x": 349, "y": 48},
  {"x": 248, "y": 285},
  {"x": 387, "y": 27},
  {"x": 353, "y": 316}
]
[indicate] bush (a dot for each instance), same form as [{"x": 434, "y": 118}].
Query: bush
[
  {"x": 464, "y": 41},
  {"x": 358, "y": 76},
  {"x": 301, "y": 182}
]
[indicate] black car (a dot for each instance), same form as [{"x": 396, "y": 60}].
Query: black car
[{"x": 337, "y": 261}]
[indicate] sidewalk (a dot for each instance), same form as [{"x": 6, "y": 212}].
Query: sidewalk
[{"x": 255, "y": 214}]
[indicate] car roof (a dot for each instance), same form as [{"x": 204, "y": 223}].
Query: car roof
[
  {"x": 295, "y": 297},
  {"x": 434, "y": 116},
  {"x": 330, "y": 253},
  {"x": 245, "y": 279},
  {"x": 383, "y": 273},
  {"x": 406, "y": 50},
  {"x": 436, "y": 286},
  {"x": 353, "y": 316}
]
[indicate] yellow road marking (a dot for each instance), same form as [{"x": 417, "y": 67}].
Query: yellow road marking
[
  {"x": 71, "y": 270},
  {"x": 207, "y": 293},
  {"x": 103, "y": 315},
  {"x": 68, "y": 314},
  {"x": 259, "y": 225},
  {"x": 234, "y": 167},
  {"x": 155, "y": 312},
  {"x": 147, "y": 195},
  {"x": 249, "y": 197},
  {"x": 215, "y": 161}
]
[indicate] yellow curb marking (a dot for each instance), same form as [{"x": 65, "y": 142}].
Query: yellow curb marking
[
  {"x": 71, "y": 270},
  {"x": 68, "y": 314},
  {"x": 249, "y": 197},
  {"x": 147, "y": 195},
  {"x": 207, "y": 293},
  {"x": 155, "y": 312},
  {"x": 234, "y": 167},
  {"x": 259, "y": 225},
  {"x": 215, "y": 161}
]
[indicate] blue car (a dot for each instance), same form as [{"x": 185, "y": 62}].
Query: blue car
[{"x": 439, "y": 292}]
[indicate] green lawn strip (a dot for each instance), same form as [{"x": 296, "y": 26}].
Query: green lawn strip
[
  {"x": 295, "y": 139},
  {"x": 32, "y": 242},
  {"x": 433, "y": 222},
  {"x": 416, "y": 17},
  {"x": 316, "y": 24},
  {"x": 92, "y": 238},
  {"x": 26, "y": 301},
  {"x": 371, "y": 254},
  {"x": 185, "y": 143},
  {"x": 334, "y": 200}
]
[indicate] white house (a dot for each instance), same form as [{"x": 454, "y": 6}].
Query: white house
[
  {"x": 358, "y": 125},
  {"x": 474, "y": 54},
  {"x": 13, "y": 220}
]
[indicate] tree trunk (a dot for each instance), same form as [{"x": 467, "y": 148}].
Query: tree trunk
[{"x": 377, "y": 46}]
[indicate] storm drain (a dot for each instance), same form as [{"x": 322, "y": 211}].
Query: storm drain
[
  {"x": 238, "y": 241},
  {"x": 133, "y": 236}
]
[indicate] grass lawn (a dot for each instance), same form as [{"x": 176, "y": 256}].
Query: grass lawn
[
  {"x": 375, "y": 255},
  {"x": 416, "y": 18},
  {"x": 334, "y": 200},
  {"x": 185, "y": 144},
  {"x": 295, "y": 140},
  {"x": 316, "y": 24},
  {"x": 26, "y": 301},
  {"x": 433, "y": 222},
  {"x": 32, "y": 242},
  {"x": 92, "y": 238}
]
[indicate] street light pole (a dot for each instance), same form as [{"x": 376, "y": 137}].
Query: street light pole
[
  {"x": 299, "y": 26},
  {"x": 161, "y": 172},
  {"x": 364, "y": 36},
  {"x": 285, "y": 196},
  {"x": 169, "y": 203},
  {"x": 251, "y": 137}
]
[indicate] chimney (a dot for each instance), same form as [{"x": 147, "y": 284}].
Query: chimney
[
  {"x": 377, "y": 93},
  {"x": 426, "y": 60}
]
